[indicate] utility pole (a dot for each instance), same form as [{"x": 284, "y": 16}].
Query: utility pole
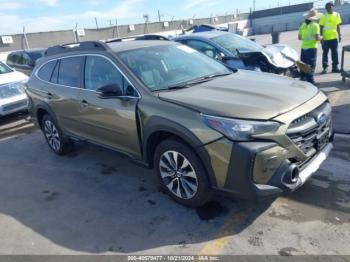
[
  {"x": 116, "y": 25},
  {"x": 96, "y": 23},
  {"x": 25, "y": 37},
  {"x": 254, "y": 5},
  {"x": 159, "y": 18}
]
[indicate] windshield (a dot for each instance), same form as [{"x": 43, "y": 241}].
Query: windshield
[
  {"x": 233, "y": 42},
  {"x": 162, "y": 67},
  {"x": 4, "y": 68}
]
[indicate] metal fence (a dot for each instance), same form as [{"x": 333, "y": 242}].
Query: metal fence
[{"x": 46, "y": 39}]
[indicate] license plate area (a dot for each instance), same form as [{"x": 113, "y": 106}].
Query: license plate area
[{"x": 322, "y": 140}]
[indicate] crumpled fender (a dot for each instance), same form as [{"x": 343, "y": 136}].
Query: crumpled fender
[{"x": 277, "y": 55}]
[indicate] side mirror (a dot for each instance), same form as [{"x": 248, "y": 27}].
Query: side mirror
[{"x": 109, "y": 91}]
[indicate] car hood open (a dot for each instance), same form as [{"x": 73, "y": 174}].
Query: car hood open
[{"x": 244, "y": 94}]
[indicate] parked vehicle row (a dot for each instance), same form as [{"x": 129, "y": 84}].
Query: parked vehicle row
[{"x": 201, "y": 126}]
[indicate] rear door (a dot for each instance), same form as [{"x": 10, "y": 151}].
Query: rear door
[
  {"x": 63, "y": 93},
  {"x": 110, "y": 122}
]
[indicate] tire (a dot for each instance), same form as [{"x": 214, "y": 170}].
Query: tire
[
  {"x": 57, "y": 142},
  {"x": 189, "y": 185}
]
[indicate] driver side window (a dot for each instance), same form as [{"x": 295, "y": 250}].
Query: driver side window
[{"x": 100, "y": 72}]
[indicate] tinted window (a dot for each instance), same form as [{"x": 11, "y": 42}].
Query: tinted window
[
  {"x": 233, "y": 42},
  {"x": 12, "y": 59},
  {"x": 46, "y": 71},
  {"x": 25, "y": 60},
  {"x": 54, "y": 77},
  {"x": 203, "y": 47},
  {"x": 69, "y": 71},
  {"x": 100, "y": 72}
]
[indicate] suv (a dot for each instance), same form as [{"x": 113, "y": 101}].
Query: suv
[
  {"x": 202, "y": 127},
  {"x": 24, "y": 60}
]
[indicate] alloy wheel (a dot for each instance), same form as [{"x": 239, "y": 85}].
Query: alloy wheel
[
  {"x": 52, "y": 135},
  {"x": 178, "y": 175}
]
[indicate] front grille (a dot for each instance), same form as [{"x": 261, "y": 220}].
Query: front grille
[
  {"x": 309, "y": 132},
  {"x": 14, "y": 106}
]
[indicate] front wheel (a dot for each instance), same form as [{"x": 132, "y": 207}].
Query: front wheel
[{"x": 181, "y": 173}]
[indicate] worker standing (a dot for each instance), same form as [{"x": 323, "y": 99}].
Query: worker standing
[
  {"x": 309, "y": 34},
  {"x": 330, "y": 30}
]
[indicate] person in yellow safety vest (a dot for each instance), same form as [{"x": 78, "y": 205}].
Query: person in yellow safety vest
[
  {"x": 310, "y": 35},
  {"x": 330, "y": 30}
]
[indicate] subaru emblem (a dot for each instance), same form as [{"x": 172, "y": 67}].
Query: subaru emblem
[{"x": 321, "y": 119}]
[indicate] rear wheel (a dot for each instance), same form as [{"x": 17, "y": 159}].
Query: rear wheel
[
  {"x": 54, "y": 137},
  {"x": 181, "y": 173}
]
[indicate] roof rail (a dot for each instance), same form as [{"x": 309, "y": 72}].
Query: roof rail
[
  {"x": 80, "y": 46},
  {"x": 142, "y": 37}
]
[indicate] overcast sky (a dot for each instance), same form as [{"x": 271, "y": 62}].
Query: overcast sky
[{"x": 46, "y": 15}]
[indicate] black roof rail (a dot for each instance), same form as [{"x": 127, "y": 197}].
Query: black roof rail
[
  {"x": 80, "y": 46},
  {"x": 142, "y": 37}
]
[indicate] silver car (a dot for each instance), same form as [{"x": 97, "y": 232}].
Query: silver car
[{"x": 12, "y": 91}]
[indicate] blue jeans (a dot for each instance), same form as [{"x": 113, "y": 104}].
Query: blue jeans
[
  {"x": 333, "y": 46},
  {"x": 309, "y": 56}
]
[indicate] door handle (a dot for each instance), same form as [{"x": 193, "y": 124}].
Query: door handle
[
  {"x": 84, "y": 104},
  {"x": 49, "y": 95}
]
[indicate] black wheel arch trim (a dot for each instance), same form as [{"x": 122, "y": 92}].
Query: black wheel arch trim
[
  {"x": 46, "y": 107},
  {"x": 159, "y": 124}
]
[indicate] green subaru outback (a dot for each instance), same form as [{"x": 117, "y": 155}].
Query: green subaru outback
[{"x": 202, "y": 127}]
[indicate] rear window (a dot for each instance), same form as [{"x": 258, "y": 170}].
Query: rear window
[
  {"x": 13, "y": 58},
  {"x": 45, "y": 72},
  {"x": 70, "y": 71}
]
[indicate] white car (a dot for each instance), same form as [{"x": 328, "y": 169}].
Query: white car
[{"x": 12, "y": 91}]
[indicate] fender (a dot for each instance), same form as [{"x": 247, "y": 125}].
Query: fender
[
  {"x": 158, "y": 124},
  {"x": 46, "y": 107}
]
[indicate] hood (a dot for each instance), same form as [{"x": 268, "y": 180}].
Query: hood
[
  {"x": 12, "y": 77},
  {"x": 280, "y": 55},
  {"x": 245, "y": 94}
]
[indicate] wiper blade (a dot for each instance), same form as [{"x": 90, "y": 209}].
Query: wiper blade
[
  {"x": 206, "y": 78},
  {"x": 194, "y": 82},
  {"x": 174, "y": 87},
  {"x": 219, "y": 75}
]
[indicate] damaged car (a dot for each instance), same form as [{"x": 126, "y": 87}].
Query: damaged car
[{"x": 237, "y": 52}]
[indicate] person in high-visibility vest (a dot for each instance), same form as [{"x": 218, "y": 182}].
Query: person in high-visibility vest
[
  {"x": 310, "y": 35},
  {"x": 331, "y": 36}
]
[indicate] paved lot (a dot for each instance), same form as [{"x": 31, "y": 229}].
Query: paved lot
[{"x": 97, "y": 201}]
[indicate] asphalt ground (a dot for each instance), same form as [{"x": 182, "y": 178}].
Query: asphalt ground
[{"x": 95, "y": 201}]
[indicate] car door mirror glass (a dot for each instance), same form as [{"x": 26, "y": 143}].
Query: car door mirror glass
[{"x": 109, "y": 91}]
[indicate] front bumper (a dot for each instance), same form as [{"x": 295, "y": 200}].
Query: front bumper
[
  {"x": 14, "y": 104},
  {"x": 246, "y": 177}
]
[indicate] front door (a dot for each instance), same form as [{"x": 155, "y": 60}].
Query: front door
[{"x": 110, "y": 122}]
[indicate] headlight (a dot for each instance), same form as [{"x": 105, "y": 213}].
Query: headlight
[
  {"x": 239, "y": 130},
  {"x": 12, "y": 89}
]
